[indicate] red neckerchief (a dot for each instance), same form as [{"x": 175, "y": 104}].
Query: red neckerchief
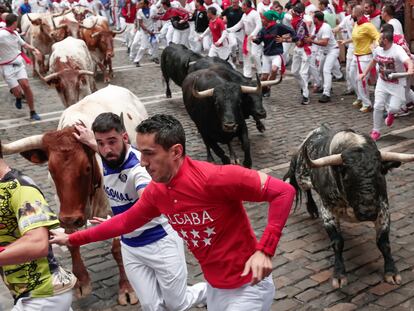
[
  {"x": 201, "y": 8},
  {"x": 308, "y": 3},
  {"x": 363, "y": 20},
  {"x": 375, "y": 14},
  {"x": 317, "y": 28},
  {"x": 271, "y": 24},
  {"x": 293, "y": 2},
  {"x": 295, "y": 20},
  {"x": 248, "y": 10},
  {"x": 189, "y": 1}
]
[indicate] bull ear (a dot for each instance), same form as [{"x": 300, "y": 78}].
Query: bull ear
[
  {"x": 36, "y": 156},
  {"x": 389, "y": 165}
]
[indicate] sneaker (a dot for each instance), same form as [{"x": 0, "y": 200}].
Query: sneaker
[
  {"x": 410, "y": 106},
  {"x": 305, "y": 100},
  {"x": 34, "y": 116},
  {"x": 338, "y": 79},
  {"x": 366, "y": 109},
  {"x": 137, "y": 64},
  {"x": 375, "y": 135},
  {"x": 403, "y": 112},
  {"x": 18, "y": 103},
  {"x": 357, "y": 103},
  {"x": 389, "y": 120},
  {"x": 348, "y": 93},
  {"x": 156, "y": 60},
  {"x": 324, "y": 99}
]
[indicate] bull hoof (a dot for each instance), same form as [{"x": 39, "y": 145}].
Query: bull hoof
[
  {"x": 260, "y": 127},
  {"x": 127, "y": 297},
  {"x": 225, "y": 160},
  {"x": 339, "y": 282},
  {"x": 247, "y": 164},
  {"x": 168, "y": 94},
  {"x": 83, "y": 290},
  {"x": 107, "y": 80},
  {"x": 393, "y": 278}
]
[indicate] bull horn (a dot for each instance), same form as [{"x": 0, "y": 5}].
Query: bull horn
[
  {"x": 85, "y": 27},
  {"x": 48, "y": 77},
  {"x": 33, "y": 21},
  {"x": 192, "y": 63},
  {"x": 202, "y": 94},
  {"x": 64, "y": 12},
  {"x": 334, "y": 159},
  {"x": 95, "y": 34},
  {"x": 24, "y": 144},
  {"x": 86, "y": 72},
  {"x": 396, "y": 156},
  {"x": 117, "y": 32},
  {"x": 252, "y": 89},
  {"x": 272, "y": 82}
]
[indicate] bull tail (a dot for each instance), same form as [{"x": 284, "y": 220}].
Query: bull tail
[{"x": 293, "y": 181}]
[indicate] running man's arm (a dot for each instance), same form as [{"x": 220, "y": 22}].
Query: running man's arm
[
  {"x": 137, "y": 216},
  {"x": 32, "y": 245}
]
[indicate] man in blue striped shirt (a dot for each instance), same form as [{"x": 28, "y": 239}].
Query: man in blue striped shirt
[{"x": 153, "y": 255}]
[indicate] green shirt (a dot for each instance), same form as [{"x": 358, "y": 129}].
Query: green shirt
[{"x": 23, "y": 208}]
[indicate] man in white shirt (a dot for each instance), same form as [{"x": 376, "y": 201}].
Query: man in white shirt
[
  {"x": 372, "y": 13},
  {"x": 345, "y": 27},
  {"x": 148, "y": 38},
  {"x": 389, "y": 93},
  {"x": 153, "y": 255},
  {"x": 329, "y": 51},
  {"x": 210, "y": 4},
  {"x": 12, "y": 66},
  {"x": 263, "y": 6},
  {"x": 251, "y": 23},
  {"x": 387, "y": 14}
]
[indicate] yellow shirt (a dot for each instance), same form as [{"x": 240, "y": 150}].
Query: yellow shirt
[{"x": 362, "y": 38}]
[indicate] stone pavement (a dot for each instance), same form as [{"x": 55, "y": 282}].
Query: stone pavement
[{"x": 303, "y": 263}]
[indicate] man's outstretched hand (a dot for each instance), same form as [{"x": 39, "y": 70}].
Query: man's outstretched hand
[{"x": 260, "y": 265}]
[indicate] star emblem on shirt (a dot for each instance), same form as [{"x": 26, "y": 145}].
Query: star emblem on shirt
[
  {"x": 183, "y": 233},
  {"x": 209, "y": 231},
  {"x": 207, "y": 241},
  {"x": 195, "y": 243},
  {"x": 195, "y": 233}
]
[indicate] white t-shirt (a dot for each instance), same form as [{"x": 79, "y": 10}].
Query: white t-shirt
[
  {"x": 214, "y": 5},
  {"x": 10, "y": 46},
  {"x": 251, "y": 23},
  {"x": 310, "y": 9},
  {"x": 325, "y": 32},
  {"x": 390, "y": 61},
  {"x": 121, "y": 186},
  {"x": 398, "y": 30},
  {"x": 261, "y": 7},
  {"x": 346, "y": 26},
  {"x": 148, "y": 21}
]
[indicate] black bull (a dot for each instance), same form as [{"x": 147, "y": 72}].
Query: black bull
[
  {"x": 213, "y": 103},
  {"x": 177, "y": 61},
  {"x": 348, "y": 172}
]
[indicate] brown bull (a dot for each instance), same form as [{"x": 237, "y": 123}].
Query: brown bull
[{"x": 100, "y": 42}]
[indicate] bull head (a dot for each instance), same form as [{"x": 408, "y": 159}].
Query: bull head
[{"x": 56, "y": 75}]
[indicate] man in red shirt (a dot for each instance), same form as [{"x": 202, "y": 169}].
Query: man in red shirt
[
  {"x": 217, "y": 28},
  {"x": 129, "y": 13},
  {"x": 203, "y": 203}
]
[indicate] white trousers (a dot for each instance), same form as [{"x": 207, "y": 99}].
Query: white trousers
[
  {"x": 197, "y": 46},
  {"x": 314, "y": 58},
  {"x": 351, "y": 81},
  {"x": 300, "y": 69},
  {"x": 222, "y": 51},
  {"x": 180, "y": 36},
  {"x": 361, "y": 88},
  {"x": 129, "y": 34},
  {"x": 60, "y": 302},
  {"x": 236, "y": 43},
  {"x": 386, "y": 101},
  {"x": 328, "y": 65},
  {"x": 254, "y": 55},
  {"x": 158, "y": 274},
  {"x": 166, "y": 32},
  {"x": 286, "y": 51},
  {"x": 135, "y": 45},
  {"x": 246, "y": 298},
  {"x": 146, "y": 44}
]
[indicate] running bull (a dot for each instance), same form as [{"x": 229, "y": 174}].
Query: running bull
[
  {"x": 348, "y": 172},
  {"x": 214, "y": 104}
]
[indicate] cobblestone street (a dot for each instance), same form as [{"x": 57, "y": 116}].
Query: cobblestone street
[{"x": 304, "y": 260}]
